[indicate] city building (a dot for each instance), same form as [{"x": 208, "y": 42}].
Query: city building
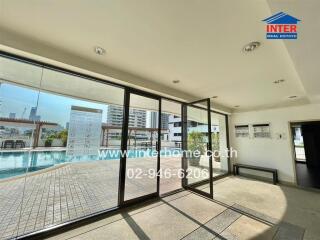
[
  {"x": 137, "y": 118},
  {"x": 155, "y": 120},
  {"x": 33, "y": 114},
  {"x": 175, "y": 134}
]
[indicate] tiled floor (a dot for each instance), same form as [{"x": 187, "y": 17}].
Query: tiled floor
[
  {"x": 187, "y": 216},
  {"x": 70, "y": 191},
  {"x": 241, "y": 209}
]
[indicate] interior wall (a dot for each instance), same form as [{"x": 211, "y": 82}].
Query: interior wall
[{"x": 274, "y": 152}]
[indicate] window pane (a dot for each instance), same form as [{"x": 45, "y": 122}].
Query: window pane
[
  {"x": 66, "y": 136},
  {"x": 18, "y": 120},
  {"x": 198, "y": 160},
  {"x": 171, "y": 146},
  {"x": 78, "y": 148},
  {"x": 219, "y": 144},
  {"x": 141, "y": 164}
]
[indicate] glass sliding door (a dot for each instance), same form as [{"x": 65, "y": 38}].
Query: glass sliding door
[
  {"x": 220, "y": 161},
  {"x": 171, "y": 146},
  {"x": 60, "y": 138},
  {"x": 141, "y": 159},
  {"x": 76, "y": 158},
  {"x": 73, "y": 147},
  {"x": 19, "y": 84},
  {"x": 198, "y": 147}
]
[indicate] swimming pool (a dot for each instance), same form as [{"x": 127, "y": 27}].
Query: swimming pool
[{"x": 15, "y": 163}]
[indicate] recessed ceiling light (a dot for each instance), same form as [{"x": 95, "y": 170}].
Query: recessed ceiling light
[
  {"x": 176, "y": 81},
  {"x": 99, "y": 50},
  {"x": 214, "y": 97},
  {"x": 293, "y": 96},
  {"x": 278, "y": 81},
  {"x": 236, "y": 106},
  {"x": 251, "y": 46}
]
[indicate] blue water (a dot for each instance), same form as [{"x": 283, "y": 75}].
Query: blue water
[{"x": 17, "y": 163}]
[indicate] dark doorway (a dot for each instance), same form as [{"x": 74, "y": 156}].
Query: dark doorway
[{"x": 306, "y": 138}]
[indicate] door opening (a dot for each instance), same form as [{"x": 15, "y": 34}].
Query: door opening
[
  {"x": 306, "y": 141},
  {"x": 140, "y": 148},
  {"x": 197, "y": 146}
]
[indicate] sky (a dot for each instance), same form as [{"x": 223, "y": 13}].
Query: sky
[{"x": 51, "y": 107}]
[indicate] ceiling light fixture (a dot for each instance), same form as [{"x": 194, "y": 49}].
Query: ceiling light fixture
[
  {"x": 278, "y": 81},
  {"x": 251, "y": 46},
  {"x": 99, "y": 50},
  {"x": 293, "y": 96},
  {"x": 236, "y": 106},
  {"x": 176, "y": 81},
  {"x": 214, "y": 97}
]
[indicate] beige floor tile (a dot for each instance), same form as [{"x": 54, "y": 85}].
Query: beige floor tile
[
  {"x": 197, "y": 207},
  {"x": 246, "y": 228},
  {"x": 114, "y": 231},
  {"x": 86, "y": 228},
  {"x": 164, "y": 222}
]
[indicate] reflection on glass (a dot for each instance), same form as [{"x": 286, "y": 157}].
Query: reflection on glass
[
  {"x": 17, "y": 129},
  {"x": 171, "y": 146},
  {"x": 219, "y": 144},
  {"x": 141, "y": 164},
  {"x": 66, "y": 137},
  {"x": 198, "y": 161}
]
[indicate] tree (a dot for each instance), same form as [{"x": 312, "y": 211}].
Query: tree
[{"x": 196, "y": 146}]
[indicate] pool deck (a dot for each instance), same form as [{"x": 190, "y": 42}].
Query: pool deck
[{"x": 69, "y": 191}]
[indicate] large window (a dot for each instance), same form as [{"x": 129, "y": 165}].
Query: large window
[{"x": 60, "y": 139}]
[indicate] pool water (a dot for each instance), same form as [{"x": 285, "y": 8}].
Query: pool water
[{"x": 17, "y": 163}]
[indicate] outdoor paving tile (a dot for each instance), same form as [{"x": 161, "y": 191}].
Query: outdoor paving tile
[{"x": 65, "y": 193}]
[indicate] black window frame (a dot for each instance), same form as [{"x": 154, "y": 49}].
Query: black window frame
[{"x": 51, "y": 231}]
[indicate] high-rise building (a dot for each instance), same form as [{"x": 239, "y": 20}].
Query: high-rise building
[
  {"x": 174, "y": 123},
  {"x": 33, "y": 114},
  {"x": 175, "y": 133},
  {"x": 164, "y": 120},
  {"x": 137, "y": 118}
]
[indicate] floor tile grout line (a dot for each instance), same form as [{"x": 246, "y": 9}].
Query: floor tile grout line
[
  {"x": 142, "y": 211},
  {"x": 191, "y": 218},
  {"x": 209, "y": 221},
  {"x": 231, "y": 223},
  {"x": 187, "y": 194},
  {"x": 238, "y": 210},
  {"x": 203, "y": 224}
]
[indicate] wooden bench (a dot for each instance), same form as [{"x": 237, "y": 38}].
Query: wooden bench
[{"x": 263, "y": 169}]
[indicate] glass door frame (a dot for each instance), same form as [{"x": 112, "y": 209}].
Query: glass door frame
[
  {"x": 185, "y": 185},
  {"x": 124, "y": 147},
  {"x": 87, "y": 77}
]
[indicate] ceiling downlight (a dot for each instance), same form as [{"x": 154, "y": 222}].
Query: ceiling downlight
[
  {"x": 251, "y": 46},
  {"x": 99, "y": 50}
]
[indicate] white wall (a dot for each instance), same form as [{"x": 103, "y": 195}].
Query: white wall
[{"x": 274, "y": 152}]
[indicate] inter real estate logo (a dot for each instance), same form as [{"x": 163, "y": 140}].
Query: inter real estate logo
[{"x": 281, "y": 26}]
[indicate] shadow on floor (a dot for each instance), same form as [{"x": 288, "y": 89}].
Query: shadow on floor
[{"x": 134, "y": 226}]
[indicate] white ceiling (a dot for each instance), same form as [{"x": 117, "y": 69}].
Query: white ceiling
[{"x": 149, "y": 43}]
